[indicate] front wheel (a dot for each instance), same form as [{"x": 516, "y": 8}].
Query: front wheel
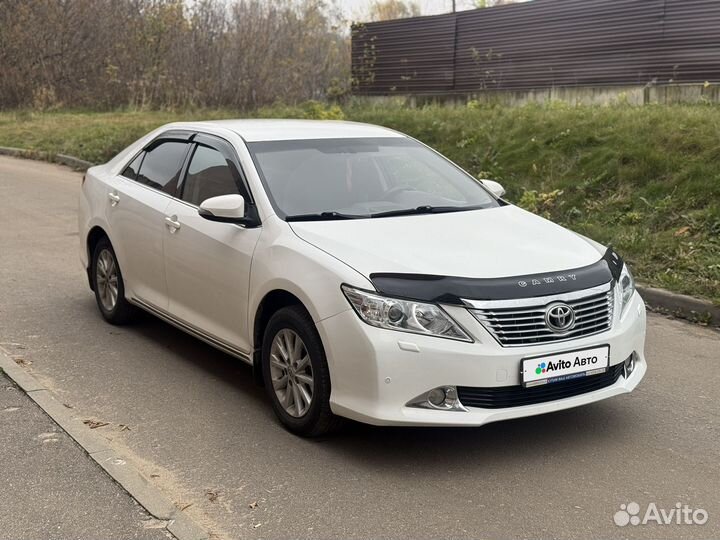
[{"x": 296, "y": 374}]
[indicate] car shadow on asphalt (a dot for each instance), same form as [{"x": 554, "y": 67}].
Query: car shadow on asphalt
[
  {"x": 512, "y": 442},
  {"x": 193, "y": 351}
]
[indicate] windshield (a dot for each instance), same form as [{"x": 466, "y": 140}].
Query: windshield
[{"x": 362, "y": 178}]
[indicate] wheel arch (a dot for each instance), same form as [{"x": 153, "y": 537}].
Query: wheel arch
[
  {"x": 94, "y": 236},
  {"x": 272, "y": 301}
]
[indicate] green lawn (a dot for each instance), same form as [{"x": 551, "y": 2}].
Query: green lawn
[{"x": 646, "y": 180}]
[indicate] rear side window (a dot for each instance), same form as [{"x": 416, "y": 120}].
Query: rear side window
[
  {"x": 209, "y": 175},
  {"x": 162, "y": 165},
  {"x": 131, "y": 171}
]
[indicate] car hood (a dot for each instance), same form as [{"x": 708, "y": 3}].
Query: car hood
[{"x": 496, "y": 242}]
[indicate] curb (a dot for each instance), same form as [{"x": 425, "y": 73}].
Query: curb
[
  {"x": 680, "y": 305},
  {"x": 72, "y": 161},
  {"x": 63, "y": 159},
  {"x": 137, "y": 486}
]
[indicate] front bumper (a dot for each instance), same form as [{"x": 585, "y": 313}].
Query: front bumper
[{"x": 375, "y": 372}]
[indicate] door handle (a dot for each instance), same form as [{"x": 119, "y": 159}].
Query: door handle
[
  {"x": 114, "y": 199},
  {"x": 172, "y": 223}
]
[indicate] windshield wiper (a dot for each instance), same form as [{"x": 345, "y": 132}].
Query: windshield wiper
[
  {"x": 322, "y": 216},
  {"x": 425, "y": 209}
]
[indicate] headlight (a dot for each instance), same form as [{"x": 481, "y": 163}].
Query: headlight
[
  {"x": 627, "y": 287},
  {"x": 403, "y": 315}
]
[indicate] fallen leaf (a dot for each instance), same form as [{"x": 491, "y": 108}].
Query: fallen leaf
[
  {"x": 682, "y": 231},
  {"x": 184, "y": 507},
  {"x": 93, "y": 424}
]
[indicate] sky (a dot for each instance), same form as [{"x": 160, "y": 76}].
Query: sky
[{"x": 358, "y": 9}]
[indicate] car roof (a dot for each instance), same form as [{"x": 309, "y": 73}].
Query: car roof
[{"x": 255, "y": 130}]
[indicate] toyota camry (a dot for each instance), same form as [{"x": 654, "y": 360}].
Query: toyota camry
[{"x": 360, "y": 273}]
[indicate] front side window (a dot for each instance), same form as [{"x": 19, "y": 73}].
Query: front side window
[
  {"x": 363, "y": 178},
  {"x": 162, "y": 165},
  {"x": 209, "y": 175}
]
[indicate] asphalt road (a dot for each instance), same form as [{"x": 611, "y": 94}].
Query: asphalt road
[
  {"x": 52, "y": 489},
  {"x": 205, "y": 435}
]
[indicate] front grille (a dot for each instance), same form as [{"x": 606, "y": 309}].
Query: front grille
[
  {"x": 502, "y": 397},
  {"x": 519, "y": 326}
]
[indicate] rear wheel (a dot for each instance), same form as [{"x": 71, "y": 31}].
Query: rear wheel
[
  {"x": 108, "y": 285},
  {"x": 296, "y": 374}
]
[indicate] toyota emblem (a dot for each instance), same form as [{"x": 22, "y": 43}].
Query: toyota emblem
[{"x": 559, "y": 317}]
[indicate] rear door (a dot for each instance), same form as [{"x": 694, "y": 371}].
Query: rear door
[
  {"x": 137, "y": 203},
  {"x": 207, "y": 262}
]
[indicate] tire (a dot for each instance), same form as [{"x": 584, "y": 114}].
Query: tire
[
  {"x": 308, "y": 421},
  {"x": 119, "y": 311}
]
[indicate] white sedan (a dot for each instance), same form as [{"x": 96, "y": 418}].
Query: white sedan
[{"x": 362, "y": 274}]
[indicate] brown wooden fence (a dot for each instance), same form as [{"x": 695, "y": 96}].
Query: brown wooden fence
[{"x": 540, "y": 44}]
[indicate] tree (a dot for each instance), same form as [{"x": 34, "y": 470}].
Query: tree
[
  {"x": 385, "y": 10},
  {"x": 170, "y": 53}
]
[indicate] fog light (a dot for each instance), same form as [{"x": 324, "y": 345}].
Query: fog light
[
  {"x": 436, "y": 397},
  {"x": 630, "y": 364},
  {"x": 443, "y": 398}
]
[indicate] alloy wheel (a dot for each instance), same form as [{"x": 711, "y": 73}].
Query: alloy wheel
[
  {"x": 291, "y": 372},
  {"x": 106, "y": 279}
]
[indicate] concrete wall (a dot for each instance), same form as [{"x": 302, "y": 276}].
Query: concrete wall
[{"x": 600, "y": 95}]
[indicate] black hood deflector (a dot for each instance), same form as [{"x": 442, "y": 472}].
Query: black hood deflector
[{"x": 451, "y": 290}]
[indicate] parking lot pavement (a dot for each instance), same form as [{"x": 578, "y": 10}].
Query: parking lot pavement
[
  {"x": 51, "y": 488},
  {"x": 205, "y": 435}
]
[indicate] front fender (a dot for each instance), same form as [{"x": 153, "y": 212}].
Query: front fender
[{"x": 283, "y": 261}]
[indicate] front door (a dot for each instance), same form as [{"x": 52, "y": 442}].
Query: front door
[{"x": 208, "y": 263}]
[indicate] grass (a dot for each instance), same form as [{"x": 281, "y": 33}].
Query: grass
[{"x": 646, "y": 180}]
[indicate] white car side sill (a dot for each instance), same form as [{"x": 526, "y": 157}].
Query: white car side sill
[{"x": 214, "y": 341}]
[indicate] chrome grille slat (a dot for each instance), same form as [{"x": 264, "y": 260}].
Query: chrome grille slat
[
  {"x": 540, "y": 324},
  {"x": 588, "y": 305},
  {"x": 599, "y": 317},
  {"x": 572, "y": 333},
  {"x": 495, "y": 319},
  {"x": 584, "y": 305},
  {"x": 593, "y": 307},
  {"x": 544, "y": 338},
  {"x": 514, "y": 326},
  {"x": 511, "y": 314},
  {"x": 582, "y": 319},
  {"x": 598, "y": 320}
]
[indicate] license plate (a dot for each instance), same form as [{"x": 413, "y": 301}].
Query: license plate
[{"x": 565, "y": 366}]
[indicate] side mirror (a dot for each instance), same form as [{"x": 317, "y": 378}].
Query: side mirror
[
  {"x": 494, "y": 187},
  {"x": 224, "y": 208}
]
